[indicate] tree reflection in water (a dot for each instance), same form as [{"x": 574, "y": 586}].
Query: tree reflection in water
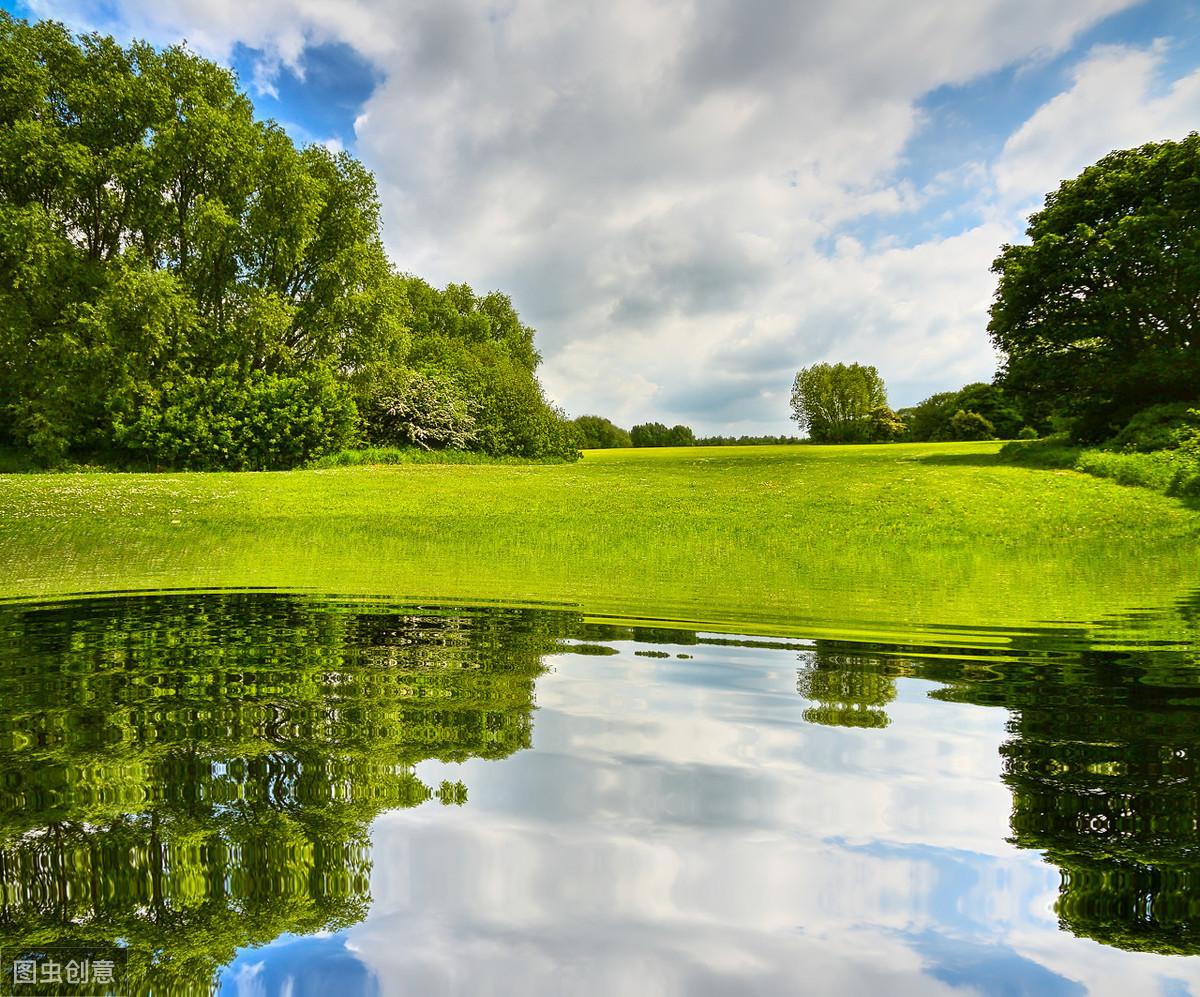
[
  {"x": 1100, "y": 756},
  {"x": 191, "y": 774}
]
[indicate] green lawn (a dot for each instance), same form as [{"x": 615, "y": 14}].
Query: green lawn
[{"x": 885, "y": 539}]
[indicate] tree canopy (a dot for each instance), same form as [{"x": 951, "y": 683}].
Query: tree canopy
[
  {"x": 833, "y": 402},
  {"x": 1096, "y": 316},
  {"x": 181, "y": 284}
]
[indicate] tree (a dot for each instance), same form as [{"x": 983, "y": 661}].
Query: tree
[
  {"x": 971, "y": 426},
  {"x": 649, "y": 434},
  {"x": 884, "y": 425},
  {"x": 833, "y": 402},
  {"x": 1096, "y": 316},
  {"x": 598, "y": 433},
  {"x": 157, "y": 242}
]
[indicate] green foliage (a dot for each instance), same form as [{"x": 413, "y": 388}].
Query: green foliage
[
  {"x": 933, "y": 420},
  {"x": 263, "y": 422},
  {"x": 598, "y": 433},
  {"x": 1095, "y": 317},
  {"x": 480, "y": 345},
  {"x": 971, "y": 426},
  {"x": 1159, "y": 427},
  {"x": 748, "y": 441},
  {"x": 1171, "y": 472},
  {"x": 833, "y": 402},
  {"x": 171, "y": 266},
  {"x": 428, "y": 410},
  {"x": 216, "y": 761},
  {"x": 1027, "y": 433},
  {"x": 655, "y": 434},
  {"x": 884, "y": 425}
]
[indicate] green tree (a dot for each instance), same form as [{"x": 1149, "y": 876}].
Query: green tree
[
  {"x": 833, "y": 402},
  {"x": 971, "y": 426},
  {"x": 1096, "y": 316},
  {"x": 598, "y": 433},
  {"x": 884, "y": 425},
  {"x": 152, "y": 232},
  {"x": 650, "y": 434}
]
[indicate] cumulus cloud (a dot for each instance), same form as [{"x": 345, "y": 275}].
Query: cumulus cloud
[
  {"x": 1118, "y": 98},
  {"x": 665, "y": 186}
]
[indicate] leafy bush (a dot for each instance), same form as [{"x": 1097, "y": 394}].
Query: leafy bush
[
  {"x": 1172, "y": 472},
  {"x": 1160, "y": 427},
  {"x": 427, "y": 410},
  {"x": 884, "y": 426},
  {"x": 971, "y": 426},
  {"x": 1027, "y": 433},
  {"x": 260, "y": 422}
]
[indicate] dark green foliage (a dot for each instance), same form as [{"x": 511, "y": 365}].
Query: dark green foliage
[
  {"x": 929, "y": 420},
  {"x": 833, "y": 402},
  {"x": 598, "y": 433},
  {"x": 1027, "y": 433},
  {"x": 748, "y": 441},
  {"x": 1159, "y": 427},
  {"x": 1096, "y": 316},
  {"x": 995, "y": 405},
  {"x": 971, "y": 426},
  {"x": 655, "y": 434},
  {"x": 1172, "y": 472},
  {"x": 932, "y": 420}
]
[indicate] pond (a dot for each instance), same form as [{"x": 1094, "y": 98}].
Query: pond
[{"x": 279, "y": 793}]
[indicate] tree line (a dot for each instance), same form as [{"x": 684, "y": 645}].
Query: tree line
[
  {"x": 181, "y": 285},
  {"x": 1095, "y": 319}
]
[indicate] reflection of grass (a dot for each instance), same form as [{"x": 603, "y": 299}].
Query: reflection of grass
[{"x": 895, "y": 536}]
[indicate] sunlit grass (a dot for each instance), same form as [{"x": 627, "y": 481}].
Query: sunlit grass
[{"x": 880, "y": 538}]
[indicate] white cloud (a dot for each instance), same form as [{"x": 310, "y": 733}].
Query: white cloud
[
  {"x": 1118, "y": 98},
  {"x": 661, "y": 185}
]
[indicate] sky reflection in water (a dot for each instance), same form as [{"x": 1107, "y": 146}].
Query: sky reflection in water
[{"x": 303, "y": 796}]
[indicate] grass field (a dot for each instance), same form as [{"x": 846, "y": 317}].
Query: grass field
[{"x": 872, "y": 539}]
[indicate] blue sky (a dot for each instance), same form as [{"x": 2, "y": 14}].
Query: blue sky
[{"x": 691, "y": 199}]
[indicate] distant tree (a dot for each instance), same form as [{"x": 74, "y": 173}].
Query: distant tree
[
  {"x": 971, "y": 426},
  {"x": 681, "y": 436},
  {"x": 833, "y": 402},
  {"x": 598, "y": 433},
  {"x": 995, "y": 404},
  {"x": 1096, "y": 317},
  {"x": 649, "y": 434},
  {"x": 933, "y": 418},
  {"x": 884, "y": 425}
]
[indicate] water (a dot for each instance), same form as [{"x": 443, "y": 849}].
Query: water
[{"x": 267, "y": 793}]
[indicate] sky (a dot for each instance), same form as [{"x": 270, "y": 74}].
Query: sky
[{"x": 692, "y": 199}]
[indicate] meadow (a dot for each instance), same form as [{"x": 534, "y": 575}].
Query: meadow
[{"x": 882, "y": 541}]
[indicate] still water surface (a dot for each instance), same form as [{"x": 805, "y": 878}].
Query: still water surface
[{"x": 266, "y": 793}]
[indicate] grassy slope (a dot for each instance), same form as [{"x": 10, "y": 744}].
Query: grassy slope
[{"x": 874, "y": 538}]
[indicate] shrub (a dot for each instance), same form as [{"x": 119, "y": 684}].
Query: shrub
[
  {"x": 230, "y": 421},
  {"x": 1160, "y": 427},
  {"x": 971, "y": 426},
  {"x": 427, "y": 410},
  {"x": 1027, "y": 433},
  {"x": 884, "y": 426}
]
